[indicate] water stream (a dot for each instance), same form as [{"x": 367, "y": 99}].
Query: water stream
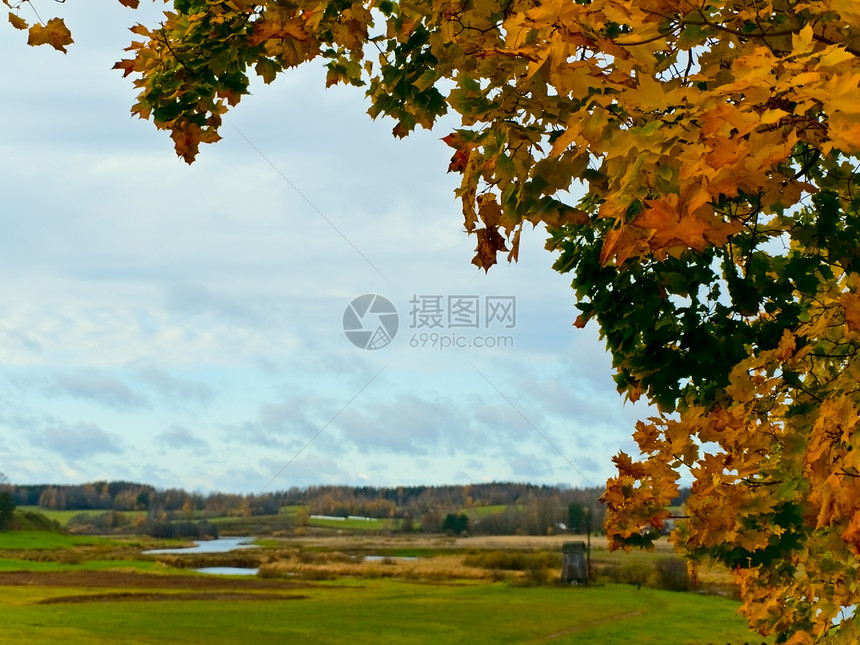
[{"x": 219, "y": 545}]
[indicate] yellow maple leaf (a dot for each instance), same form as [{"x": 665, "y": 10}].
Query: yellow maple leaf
[
  {"x": 53, "y": 33},
  {"x": 801, "y": 41},
  {"x": 836, "y": 55},
  {"x": 17, "y": 21},
  {"x": 844, "y": 133}
]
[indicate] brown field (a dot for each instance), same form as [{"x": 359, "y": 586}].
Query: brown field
[
  {"x": 344, "y": 542},
  {"x": 334, "y": 556},
  {"x": 119, "y": 586}
]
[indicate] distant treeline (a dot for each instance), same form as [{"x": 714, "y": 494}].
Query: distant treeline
[{"x": 494, "y": 508}]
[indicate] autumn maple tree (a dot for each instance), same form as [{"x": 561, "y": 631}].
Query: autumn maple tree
[{"x": 717, "y": 244}]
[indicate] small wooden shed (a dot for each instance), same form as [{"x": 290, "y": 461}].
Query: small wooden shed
[{"x": 574, "y": 570}]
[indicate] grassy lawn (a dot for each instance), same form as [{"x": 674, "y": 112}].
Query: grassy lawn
[
  {"x": 291, "y": 511},
  {"x": 384, "y": 611},
  {"x": 14, "y": 564},
  {"x": 63, "y": 517},
  {"x": 483, "y": 511},
  {"x": 46, "y": 540}
]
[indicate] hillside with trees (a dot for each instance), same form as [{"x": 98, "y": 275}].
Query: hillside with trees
[{"x": 495, "y": 508}]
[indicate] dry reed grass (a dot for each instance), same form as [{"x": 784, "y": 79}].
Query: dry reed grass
[
  {"x": 436, "y": 568},
  {"x": 347, "y": 542}
]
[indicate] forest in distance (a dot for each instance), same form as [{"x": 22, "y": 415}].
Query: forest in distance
[{"x": 502, "y": 508}]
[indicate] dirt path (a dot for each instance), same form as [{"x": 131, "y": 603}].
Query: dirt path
[
  {"x": 138, "y": 587},
  {"x": 596, "y": 623},
  {"x": 131, "y": 580},
  {"x": 137, "y": 596}
]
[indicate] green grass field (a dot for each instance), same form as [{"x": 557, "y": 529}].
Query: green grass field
[
  {"x": 46, "y": 540},
  {"x": 383, "y": 611},
  {"x": 483, "y": 511},
  {"x": 63, "y": 517}
]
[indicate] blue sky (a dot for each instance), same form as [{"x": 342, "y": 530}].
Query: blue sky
[{"x": 182, "y": 325}]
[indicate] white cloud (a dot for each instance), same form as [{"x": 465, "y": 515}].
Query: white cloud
[
  {"x": 199, "y": 308},
  {"x": 173, "y": 388},
  {"x": 77, "y": 441},
  {"x": 96, "y": 385},
  {"x": 181, "y": 438}
]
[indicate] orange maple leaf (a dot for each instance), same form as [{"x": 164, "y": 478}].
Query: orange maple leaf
[
  {"x": 851, "y": 304},
  {"x": 490, "y": 242},
  {"x": 671, "y": 224},
  {"x": 292, "y": 29},
  {"x": 669, "y": 227},
  {"x": 186, "y": 140},
  {"x": 623, "y": 242}
]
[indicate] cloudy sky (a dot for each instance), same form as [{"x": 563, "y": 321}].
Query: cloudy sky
[{"x": 184, "y": 326}]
